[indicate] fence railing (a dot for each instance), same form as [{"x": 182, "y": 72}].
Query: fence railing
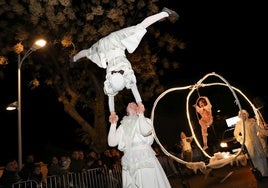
[{"x": 93, "y": 178}]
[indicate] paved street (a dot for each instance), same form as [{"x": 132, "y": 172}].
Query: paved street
[{"x": 239, "y": 176}]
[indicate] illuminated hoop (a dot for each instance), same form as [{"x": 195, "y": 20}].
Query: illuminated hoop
[
  {"x": 152, "y": 118},
  {"x": 193, "y": 88}
]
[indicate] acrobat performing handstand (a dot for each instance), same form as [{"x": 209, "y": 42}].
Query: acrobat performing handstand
[{"x": 109, "y": 53}]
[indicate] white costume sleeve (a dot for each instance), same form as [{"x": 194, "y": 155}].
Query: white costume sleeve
[
  {"x": 145, "y": 125},
  {"x": 136, "y": 93},
  {"x": 114, "y": 135},
  {"x": 111, "y": 103}
]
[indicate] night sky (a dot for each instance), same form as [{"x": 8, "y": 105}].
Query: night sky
[{"x": 226, "y": 38}]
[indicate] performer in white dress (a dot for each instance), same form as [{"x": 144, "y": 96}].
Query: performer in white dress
[
  {"x": 140, "y": 166},
  {"x": 252, "y": 142},
  {"x": 109, "y": 53}
]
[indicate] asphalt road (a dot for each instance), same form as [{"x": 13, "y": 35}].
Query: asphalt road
[{"x": 225, "y": 177}]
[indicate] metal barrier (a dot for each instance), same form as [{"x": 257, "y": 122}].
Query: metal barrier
[
  {"x": 93, "y": 178},
  {"x": 27, "y": 184}
]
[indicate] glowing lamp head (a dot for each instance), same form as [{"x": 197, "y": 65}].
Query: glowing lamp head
[{"x": 38, "y": 44}]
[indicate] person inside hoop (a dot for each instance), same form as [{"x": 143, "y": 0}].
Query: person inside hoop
[{"x": 203, "y": 107}]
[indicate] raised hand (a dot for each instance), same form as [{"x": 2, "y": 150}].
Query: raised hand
[{"x": 113, "y": 118}]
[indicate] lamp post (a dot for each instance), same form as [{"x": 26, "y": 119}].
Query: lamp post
[{"x": 37, "y": 45}]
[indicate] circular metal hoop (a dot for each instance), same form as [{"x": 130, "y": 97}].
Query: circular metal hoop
[{"x": 192, "y": 89}]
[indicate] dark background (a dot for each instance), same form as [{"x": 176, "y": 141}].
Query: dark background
[{"x": 227, "y": 38}]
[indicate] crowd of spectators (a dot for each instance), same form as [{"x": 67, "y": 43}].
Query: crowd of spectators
[
  {"x": 77, "y": 161},
  {"x": 74, "y": 162}
]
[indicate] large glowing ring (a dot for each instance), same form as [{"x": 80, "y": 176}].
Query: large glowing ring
[{"x": 193, "y": 88}]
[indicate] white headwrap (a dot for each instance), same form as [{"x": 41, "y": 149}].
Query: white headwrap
[{"x": 117, "y": 81}]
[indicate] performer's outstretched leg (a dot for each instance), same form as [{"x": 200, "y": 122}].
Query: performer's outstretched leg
[
  {"x": 145, "y": 23},
  {"x": 79, "y": 55},
  {"x": 156, "y": 17}
]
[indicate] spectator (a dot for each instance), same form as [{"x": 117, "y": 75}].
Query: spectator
[
  {"x": 166, "y": 162},
  {"x": 81, "y": 155},
  {"x": 65, "y": 162},
  {"x": 37, "y": 176},
  {"x": 28, "y": 167},
  {"x": 116, "y": 155},
  {"x": 92, "y": 160},
  {"x": 107, "y": 159},
  {"x": 54, "y": 167},
  {"x": 77, "y": 164},
  {"x": 10, "y": 175}
]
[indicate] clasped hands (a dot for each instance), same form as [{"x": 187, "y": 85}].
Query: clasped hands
[
  {"x": 141, "y": 108},
  {"x": 113, "y": 118}
]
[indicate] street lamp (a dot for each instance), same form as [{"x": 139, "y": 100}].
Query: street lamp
[
  {"x": 12, "y": 106},
  {"x": 37, "y": 45}
]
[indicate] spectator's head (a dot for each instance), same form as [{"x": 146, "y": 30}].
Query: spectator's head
[
  {"x": 29, "y": 158},
  {"x": 37, "y": 169},
  {"x": 75, "y": 155},
  {"x": 54, "y": 160},
  {"x": 11, "y": 165}
]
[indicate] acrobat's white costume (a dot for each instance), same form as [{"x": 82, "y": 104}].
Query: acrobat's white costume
[
  {"x": 140, "y": 166},
  {"x": 109, "y": 53},
  {"x": 252, "y": 142}
]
